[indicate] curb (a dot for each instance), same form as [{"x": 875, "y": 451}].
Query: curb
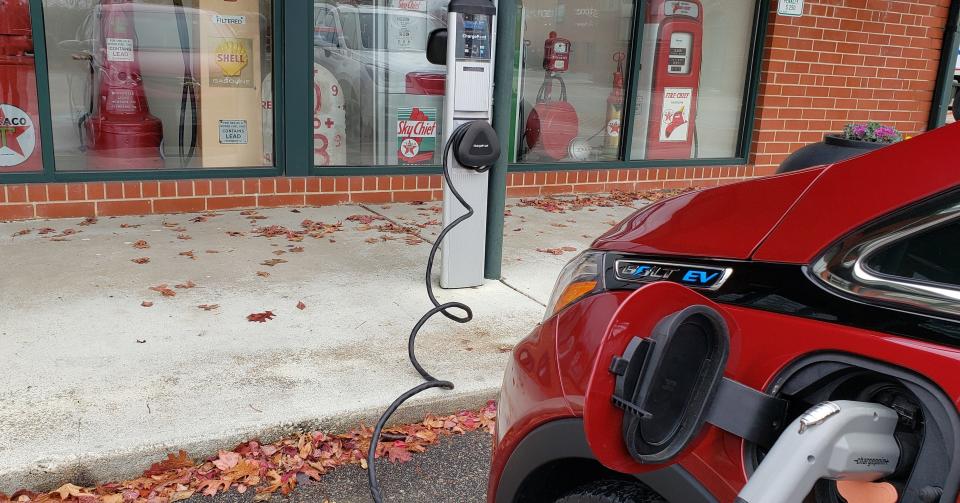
[{"x": 89, "y": 470}]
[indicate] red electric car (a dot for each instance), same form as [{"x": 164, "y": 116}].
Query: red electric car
[{"x": 678, "y": 349}]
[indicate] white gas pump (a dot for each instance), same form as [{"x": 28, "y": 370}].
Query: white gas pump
[{"x": 469, "y": 97}]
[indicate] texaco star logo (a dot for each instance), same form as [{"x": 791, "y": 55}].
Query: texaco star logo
[
  {"x": 17, "y": 135},
  {"x": 613, "y": 128},
  {"x": 409, "y": 148}
]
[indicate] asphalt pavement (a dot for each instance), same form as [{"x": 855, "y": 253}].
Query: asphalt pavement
[{"x": 454, "y": 470}]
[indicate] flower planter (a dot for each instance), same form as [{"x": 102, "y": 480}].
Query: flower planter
[{"x": 831, "y": 150}]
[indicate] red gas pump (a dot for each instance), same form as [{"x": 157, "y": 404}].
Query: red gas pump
[
  {"x": 670, "y": 70},
  {"x": 553, "y": 124},
  {"x": 120, "y": 133},
  {"x": 19, "y": 141}
]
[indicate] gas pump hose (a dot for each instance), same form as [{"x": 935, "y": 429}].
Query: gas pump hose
[{"x": 430, "y": 381}]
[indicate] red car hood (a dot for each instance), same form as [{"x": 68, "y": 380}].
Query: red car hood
[{"x": 740, "y": 217}]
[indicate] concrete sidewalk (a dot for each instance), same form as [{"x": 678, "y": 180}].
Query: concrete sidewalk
[{"x": 97, "y": 387}]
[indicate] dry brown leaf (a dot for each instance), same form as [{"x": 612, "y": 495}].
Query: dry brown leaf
[
  {"x": 140, "y": 245},
  {"x": 263, "y": 274},
  {"x": 209, "y": 307},
  {"x": 186, "y": 285},
  {"x": 141, "y": 260},
  {"x": 273, "y": 262},
  {"x": 163, "y": 290},
  {"x": 301, "y": 306}
]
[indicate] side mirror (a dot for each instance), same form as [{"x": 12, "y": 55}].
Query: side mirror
[{"x": 437, "y": 47}]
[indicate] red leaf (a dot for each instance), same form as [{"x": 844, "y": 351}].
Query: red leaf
[
  {"x": 301, "y": 306},
  {"x": 163, "y": 290},
  {"x": 261, "y": 317},
  {"x": 173, "y": 462},
  {"x": 140, "y": 245},
  {"x": 146, "y": 303},
  {"x": 21, "y": 232},
  {"x": 186, "y": 286},
  {"x": 141, "y": 260},
  {"x": 209, "y": 307}
]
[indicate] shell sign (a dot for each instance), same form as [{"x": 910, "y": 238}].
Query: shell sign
[{"x": 232, "y": 57}]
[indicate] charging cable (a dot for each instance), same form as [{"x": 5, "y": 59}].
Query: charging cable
[{"x": 430, "y": 382}]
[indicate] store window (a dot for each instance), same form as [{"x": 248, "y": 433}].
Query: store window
[
  {"x": 160, "y": 84},
  {"x": 377, "y": 100},
  {"x": 19, "y": 120},
  {"x": 571, "y": 87},
  {"x": 695, "y": 60}
]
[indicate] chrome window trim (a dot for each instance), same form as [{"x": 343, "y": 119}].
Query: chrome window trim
[
  {"x": 843, "y": 267},
  {"x": 725, "y": 272}
]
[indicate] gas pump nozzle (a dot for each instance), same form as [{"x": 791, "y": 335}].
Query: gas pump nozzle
[{"x": 841, "y": 440}]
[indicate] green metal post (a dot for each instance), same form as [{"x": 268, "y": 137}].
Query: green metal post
[
  {"x": 502, "y": 112},
  {"x": 297, "y": 86},
  {"x": 944, "y": 90}
]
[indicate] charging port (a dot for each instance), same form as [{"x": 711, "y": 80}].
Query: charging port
[{"x": 928, "y": 428}]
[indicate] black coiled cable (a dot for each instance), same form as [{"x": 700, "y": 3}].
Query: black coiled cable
[{"x": 431, "y": 382}]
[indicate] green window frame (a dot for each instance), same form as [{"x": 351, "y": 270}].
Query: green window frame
[
  {"x": 947, "y": 85},
  {"x": 50, "y": 174}
]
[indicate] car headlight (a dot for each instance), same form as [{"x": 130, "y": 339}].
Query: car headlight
[{"x": 582, "y": 276}]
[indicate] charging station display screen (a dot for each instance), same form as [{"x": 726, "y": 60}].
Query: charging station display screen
[
  {"x": 474, "y": 42},
  {"x": 681, "y": 49}
]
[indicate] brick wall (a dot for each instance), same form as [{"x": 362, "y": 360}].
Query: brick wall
[
  {"x": 846, "y": 61},
  {"x": 58, "y": 200}
]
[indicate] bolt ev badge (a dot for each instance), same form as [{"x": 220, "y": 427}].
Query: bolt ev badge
[{"x": 711, "y": 278}]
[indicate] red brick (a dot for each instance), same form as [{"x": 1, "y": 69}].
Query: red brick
[
  {"x": 409, "y": 196},
  {"x": 179, "y": 205},
  {"x": 229, "y": 203},
  {"x": 523, "y": 191},
  {"x": 435, "y": 181},
  {"x": 298, "y": 185},
  {"x": 251, "y": 186},
  {"x": 37, "y": 192},
  {"x": 76, "y": 192},
  {"x": 131, "y": 190},
  {"x": 314, "y": 184},
  {"x": 340, "y": 184},
  {"x": 280, "y": 200},
  {"x": 122, "y": 208},
  {"x": 218, "y": 187},
  {"x": 234, "y": 187},
  {"x": 327, "y": 199},
  {"x": 185, "y": 188},
  {"x": 201, "y": 187},
  {"x": 556, "y": 189},
  {"x": 283, "y": 185},
  {"x": 370, "y": 184},
  {"x": 356, "y": 183},
  {"x": 268, "y": 186},
  {"x": 150, "y": 188},
  {"x": 95, "y": 191},
  {"x": 66, "y": 210},
  {"x": 16, "y": 193},
  {"x": 16, "y": 211},
  {"x": 3, "y": 194},
  {"x": 371, "y": 197},
  {"x": 168, "y": 189}
]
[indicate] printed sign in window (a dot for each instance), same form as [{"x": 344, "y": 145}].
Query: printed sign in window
[
  {"x": 233, "y": 132},
  {"x": 119, "y": 49},
  {"x": 675, "y": 123},
  {"x": 790, "y": 8}
]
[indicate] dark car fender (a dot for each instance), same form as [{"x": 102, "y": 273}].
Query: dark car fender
[{"x": 565, "y": 439}]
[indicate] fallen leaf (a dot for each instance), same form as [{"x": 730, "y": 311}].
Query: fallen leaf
[
  {"x": 71, "y": 491},
  {"x": 263, "y": 274},
  {"x": 141, "y": 341},
  {"x": 88, "y": 221},
  {"x": 188, "y": 254},
  {"x": 301, "y": 306},
  {"x": 186, "y": 285},
  {"x": 551, "y": 251},
  {"x": 273, "y": 262},
  {"x": 21, "y": 232},
  {"x": 209, "y": 307},
  {"x": 569, "y": 249},
  {"x": 212, "y": 251},
  {"x": 46, "y": 230},
  {"x": 364, "y": 219},
  {"x": 296, "y": 249},
  {"x": 261, "y": 317},
  {"x": 130, "y": 226},
  {"x": 199, "y": 219},
  {"x": 248, "y": 212},
  {"x": 146, "y": 303},
  {"x": 294, "y": 211},
  {"x": 235, "y": 234},
  {"x": 140, "y": 245},
  {"x": 173, "y": 462},
  {"x": 163, "y": 290},
  {"x": 279, "y": 252},
  {"x": 226, "y": 460},
  {"x": 183, "y": 237},
  {"x": 141, "y": 260}
]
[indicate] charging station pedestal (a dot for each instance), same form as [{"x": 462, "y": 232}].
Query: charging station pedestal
[{"x": 469, "y": 97}]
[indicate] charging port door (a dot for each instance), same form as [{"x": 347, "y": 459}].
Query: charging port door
[{"x": 658, "y": 382}]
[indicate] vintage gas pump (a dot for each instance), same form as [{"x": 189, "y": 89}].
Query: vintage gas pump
[
  {"x": 615, "y": 108},
  {"x": 120, "y": 133},
  {"x": 469, "y": 97},
  {"x": 553, "y": 124},
  {"x": 18, "y": 90},
  {"x": 669, "y": 80}
]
